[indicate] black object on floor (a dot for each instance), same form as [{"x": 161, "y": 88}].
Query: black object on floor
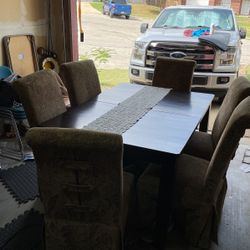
[
  {"x": 21, "y": 181},
  {"x": 24, "y": 232}
]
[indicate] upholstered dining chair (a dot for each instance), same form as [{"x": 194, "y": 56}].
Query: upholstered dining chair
[
  {"x": 41, "y": 96},
  {"x": 82, "y": 186},
  {"x": 200, "y": 184},
  {"x": 203, "y": 144},
  {"x": 173, "y": 73},
  {"x": 81, "y": 80}
]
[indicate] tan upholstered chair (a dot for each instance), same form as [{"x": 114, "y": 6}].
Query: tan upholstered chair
[
  {"x": 41, "y": 96},
  {"x": 173, "y": 73},
  {"x": 82, "y": 186},
  {"x": 202, "y": 144},
  {"x": 81, "y": 81},
  {"x": 200, "y": 184}
]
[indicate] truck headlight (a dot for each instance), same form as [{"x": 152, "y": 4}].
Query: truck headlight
[
  {"x": 227, "y": 57},
  {"x": 138, "y": 53}
]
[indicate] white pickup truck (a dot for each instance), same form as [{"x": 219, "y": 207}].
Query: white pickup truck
[{"x": 207, "y": 34}]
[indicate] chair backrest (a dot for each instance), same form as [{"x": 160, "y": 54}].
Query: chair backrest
[
  {"x": 80, "y": 181},
  {"x": 81, "y": 80},
  {"x": 239, "y": 89},
  {"x": 234, "y": 130},
  {"x": 173, "y": 73},
  {"x": 41, "y": 96}
]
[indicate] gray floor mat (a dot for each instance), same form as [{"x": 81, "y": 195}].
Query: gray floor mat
[{"x": 21, "y": 181}]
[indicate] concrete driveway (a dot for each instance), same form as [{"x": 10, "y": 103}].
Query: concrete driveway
[{"x": 118, "y": 35}]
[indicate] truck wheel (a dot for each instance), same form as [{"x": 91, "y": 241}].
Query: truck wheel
[
  {"x": 103, "y": 12},
  {"x": 127, "y": 17},
  {"x": 111, "y": 14}
]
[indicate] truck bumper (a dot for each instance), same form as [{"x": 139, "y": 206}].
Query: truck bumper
[
  {"x": 120, "y": 13},
  {"x": 206, "y": 82}
]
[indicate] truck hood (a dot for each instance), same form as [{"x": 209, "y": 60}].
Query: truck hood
[{"x": 177, "y": 35}]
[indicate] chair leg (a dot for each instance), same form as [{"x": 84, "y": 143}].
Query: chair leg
[{"x": 10, "y": 152}]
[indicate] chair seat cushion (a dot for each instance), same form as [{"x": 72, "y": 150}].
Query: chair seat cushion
[
  {"x": 200, "y": 145},
  {"x": 128, "y": 186},
  {"x": 193, "y": 208},
  {"x": 190, "y": 172}
]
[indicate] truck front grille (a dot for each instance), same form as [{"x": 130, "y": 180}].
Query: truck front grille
[{"x": 204, "y": 55}]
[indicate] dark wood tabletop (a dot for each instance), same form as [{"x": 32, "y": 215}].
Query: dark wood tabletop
[
  {"x": 159, "y": 135},
  {"x": 165, "y": 128}
]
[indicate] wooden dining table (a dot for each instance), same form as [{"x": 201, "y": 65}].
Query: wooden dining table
[{"x": 155, "y": 124}]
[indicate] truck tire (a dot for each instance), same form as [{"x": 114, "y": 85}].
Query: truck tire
[
  {"x": 111, "y": 14},
  {"x": 103, "y": 12},
  {"x": 127, "y": 17}
]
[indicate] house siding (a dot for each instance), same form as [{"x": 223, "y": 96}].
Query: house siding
[{"x": 236, "y": 6}]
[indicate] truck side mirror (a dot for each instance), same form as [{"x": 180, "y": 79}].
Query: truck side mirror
[
  {"x": 243, "y": 33},
  {"x": 144, "y": 27}
]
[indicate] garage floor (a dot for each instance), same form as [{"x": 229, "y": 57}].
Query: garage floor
[
  {"x": 235, "y": 225},
  {"x": 234, "y": 230}
]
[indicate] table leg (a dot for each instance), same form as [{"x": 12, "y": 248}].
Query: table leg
[
  {"x": 166, "y": 195},
  {"x": 134, "y": 160},
  {"x": 204, "y": 122}
]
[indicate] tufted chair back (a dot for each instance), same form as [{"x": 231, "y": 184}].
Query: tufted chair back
[
  {"x": 81, "y": 186},
  {"x": 81, "y": 80},
  {"x": 41, "y": 96},
  {"x": 173, "y": 73}
]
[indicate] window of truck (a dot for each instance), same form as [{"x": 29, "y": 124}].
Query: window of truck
[
  {"x": 192, "y": 18},
  {"x": 120, "y": 1}
]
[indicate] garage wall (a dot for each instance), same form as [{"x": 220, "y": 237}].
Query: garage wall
[
  {"x": 21, "y": 17},
  {"x": 64, "y": 30}
]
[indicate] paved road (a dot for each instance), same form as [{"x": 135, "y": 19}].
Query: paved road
[{"x": 118, "y": 35}]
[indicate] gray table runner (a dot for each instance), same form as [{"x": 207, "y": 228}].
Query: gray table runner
[{"x": 127, "y": 113}]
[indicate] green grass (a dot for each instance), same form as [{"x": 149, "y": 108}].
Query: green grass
[
  {"x": 138, "y": 10},
  {"x": 248, "y": 71},
  {"x": 244, "y": 22},
  {"x": 145, "y": 11},
  {"x": 97, "y": 5},
  {"x": 112, "y": 77}
]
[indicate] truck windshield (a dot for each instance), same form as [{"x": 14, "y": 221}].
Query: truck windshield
[
  {"x": 119, "y": 1},
  {"x": 192, "y": 18}
]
